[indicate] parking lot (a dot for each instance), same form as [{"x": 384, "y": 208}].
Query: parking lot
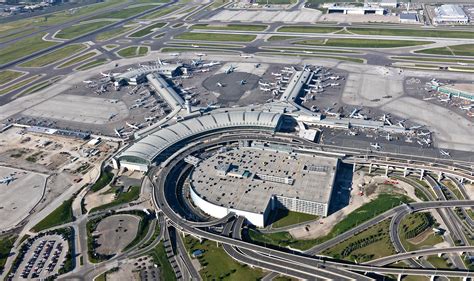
[
  {"x": 115, "y": 233},
  {"x": 44, "y": 258}
]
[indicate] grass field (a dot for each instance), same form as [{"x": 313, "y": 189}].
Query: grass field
[
  {"x": 80, "y": 29},
  {"x": 239, "y": 27},
  {"x": 92, "y": 64},
  {"x": 54, "y": 56},
  {"x": 159, "y": 257},
  {"x": 218, "y": 37},
  {"x": 147, "y": 30},
  {"x": 120, "y": 198},
  {"x": 124, "y": 13},
  {"x": 30, "y": 23},
  {"x": 437, "y": 262},
  {"x": 133, "y": 51},
  {"x": 104, "y": 179},
  {"x": 281, "y": 38},
  {"x": 215, "y": 45},
  {"x": 367, "y": 245},
  {"x": 361, "y": 43},
  {"x": 341, "y": 58},
  {"x": 317, "y": 50},
  {"x": 162, "y": 12},
  {"x": 18, "y": 85},
  {"x": 285, "y": 218},
  {"x": 41, "y": 85},
  {"x": 456, "y": 50},
  {"x": 276, "y": 2},
  {"x": 23, "y": 48},
  {"x": 308, "y": 29},
  {"x": 432, "y": 59},
  {"x": 412, "y": 32},
  {"x": 106, "y": 35},
  {"x": 217, "y": 265},
  {"x": 6, "y": 244},
  {"x": 364, "y": 213},
  {"x": 9, "y": 75},
  {"x": 77, "y": 59},
  {"x": 417, "y": 223},
  {"x": 62, "y": 215}
]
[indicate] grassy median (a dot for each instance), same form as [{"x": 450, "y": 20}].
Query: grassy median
[
  {"x": 54, "y": 56},
  {"x": 237, "y": 27},
  {"x": 308, "y": 29},
  {"x": 412, "y": 32},
  {"x": 133, "y": 51},
  {"x": 218, "y": 37},
  {"x": 456, "y": 50},
  {"x": 78, "y": 59},
  {"x": 109, "y": 34},
  {"x": 361, "y": 43},
  {"x": 23, "y": 48},
  {"x": 81, "y": 29},
  {"x": 62, "y": 214},
  {"x": 147, "y": 30},
  {"x": 9, "y": 75}
]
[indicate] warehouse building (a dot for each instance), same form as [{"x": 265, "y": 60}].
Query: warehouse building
[
  {"x": 450, "y": 14},
  {"x": 253, "y": 181}
]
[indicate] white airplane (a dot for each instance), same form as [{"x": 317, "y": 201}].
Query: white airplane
[
  {"x": 401, "y": 123},
  {"x": 195, "y": 46},
  {"x": 106, "y": 74},
  {"x": 307, "y": 52},
  {"x": 448, "y": 99},
  {"x": 211, "y": 64},
  {"x": 427, "y": 141},
  {"x": 445, "y": 153},
  {"x": 422, "y": 134},
  {"x": 334, "y": 84},
  {"x": 200, "y": 54},
  {"x": 203, "y": 70},
  {"x": 196, "y": 62},
  {"x": 7, "y": 180},
  {"x": 388, "y": 137},
  {"x": 88, "y": 82},
  {"x": 135, "y": 127},
  {"x": 430, "y": 98},
  {"x": 219, "y": 84},
  {"x": 467, "y": 107},
  {"x": 354, "y": 112},
  {"x": 265, "y": 89},
  {"x": 353, "y": 133},
  {"x": 408, "y": 139},
  {"x": 416, "y": 127},
  {"x": 230, "y": 69},
  {"x": 117, "y": 132},
  {"x": 246, "y": 56},
  {"x": 174, "y": 54},
  {"x": 276, "y": 74},
  {"x": 314, "y": 108},
  {"x": 160, "y": 62},
  {"x": 419, "y": 142},
  {"x": 334, "y": 77},
  {"x": 375, "y": 145},
  {"x": 263, "y": 84}
]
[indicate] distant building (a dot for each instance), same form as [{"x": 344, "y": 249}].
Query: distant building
[
  {"x": 450, "y": 14},
  {"x": 389, "y": 3},
  {"x": 356, "y": 10},
  {"x": 463, "y": 91},
  {"x": 408, "y": 18}
]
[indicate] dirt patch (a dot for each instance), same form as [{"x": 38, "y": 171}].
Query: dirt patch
[{"x": 116, "y": 232}]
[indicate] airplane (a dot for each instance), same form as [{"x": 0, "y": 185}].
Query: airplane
[
  {"x": 334, "y": 77},
  {"x": 203, "y": 70},
  {"x": 334, "y": 84},
  {"x": 174, "y": 54},
  {"x": 445, "y": 153},
  {"x": 219, "y": 84},
  {"x": 430, "y": 98},
  {"x": 354, "y": 112},
  {"x": 408, "y": 139},
  {"x": 386, "y": 119},
  {"x": 211, "y": 64},
  {"x": 422, "y": 134},
  {"x": 160, "y": 62},
  {"x": 117, "y": 132},
  {"x": 419, "y": 142},
  {"x": 467, "y": 107},
  {"x": 230, "y": 69},
  {"x": 200, "y": 54},
  {"x": 246, "y": 56},
  {"x": 196, "y": 62},
  {"x": 416, "y": 127},
  {"x": 401, "y": 123},
  {"x": 265, "y": 89},
  {"x": 307, "y": 52},
  {"x": 352, "y": 133},
  {"x": 243, "y": 82},
  {"x": 448, "y": 99},
  {"x": 135, "y": 127},
  {"x": 388, "y": 137},
  {"x": 88, "y": 82},
  {"x": 375, "y": 145},
  {"x": 314, "y": 108},
  {"x": 263, "y": 84},
  {"x": 151, "y": 118},
  {"x": 108, "y": 75},
  {"x": 111, "y": 116},
  {"x": 195, "y": 46},
  {"x": 7, "y": 180},
  {"x": 276, "y": 74}
]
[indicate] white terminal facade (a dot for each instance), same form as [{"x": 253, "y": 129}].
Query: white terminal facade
[{"x": 253, "y": 181}]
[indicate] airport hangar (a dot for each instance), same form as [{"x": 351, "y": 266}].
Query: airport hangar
[{"x": 304, "y": 188}]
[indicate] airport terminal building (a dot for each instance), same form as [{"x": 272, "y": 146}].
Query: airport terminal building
[{"x": 255, "y": 180}]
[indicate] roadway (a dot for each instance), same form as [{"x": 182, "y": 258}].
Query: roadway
[{"x": 182, "y": 225}]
